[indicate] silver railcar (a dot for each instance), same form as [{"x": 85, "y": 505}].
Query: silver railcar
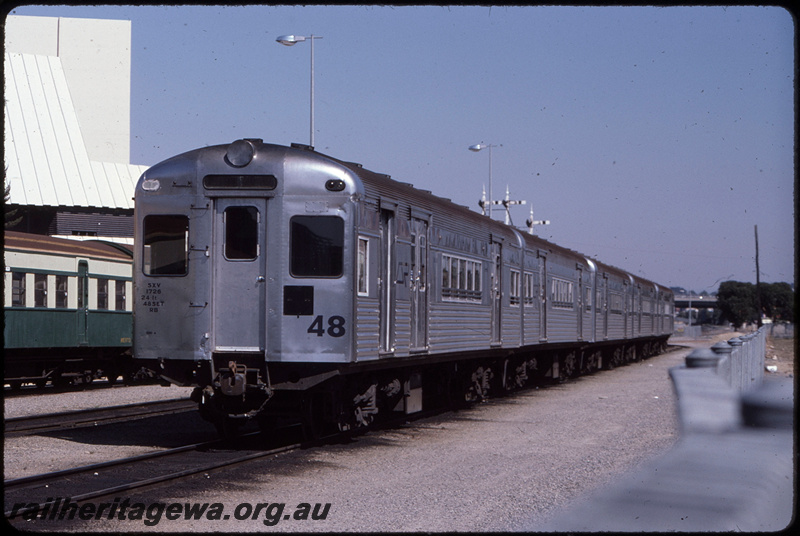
[{"x": 280, "y": 280}]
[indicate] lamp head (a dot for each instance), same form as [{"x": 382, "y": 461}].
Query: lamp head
[{"x": 290, "y": 40}]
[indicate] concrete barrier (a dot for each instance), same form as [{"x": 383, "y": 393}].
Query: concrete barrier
[
  {"x": 731, "y": 470},
  {"x": 741, "y": 359}
]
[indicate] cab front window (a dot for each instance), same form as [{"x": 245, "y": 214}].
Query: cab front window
[{"x": 317, "y": 246}]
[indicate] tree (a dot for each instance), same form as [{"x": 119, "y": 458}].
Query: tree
[
  {"x": 777, "y": 300},
  {"x": 737, "y": 302},
  {"x": 10, "y": 221}
]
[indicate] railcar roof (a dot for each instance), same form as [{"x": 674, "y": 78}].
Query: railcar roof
[
  {"x": 539, "y": 242},
  {"x": 47, "y": 244},
  {"x": 369, "y": 176}
]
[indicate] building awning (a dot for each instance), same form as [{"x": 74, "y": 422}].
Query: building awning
[{"x": 46, "y": 160}]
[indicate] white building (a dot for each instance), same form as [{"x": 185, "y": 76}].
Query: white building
[{"x": 67, "y": 126}]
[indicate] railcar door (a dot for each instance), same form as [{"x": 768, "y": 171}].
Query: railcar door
[
  {"x": 637, "y": 301},
  {"x": 83, "y": 303},
  {"x": 628, "y": 293},
  {"x": 580, "y": 303},
  {"x": 604, "y": 303},
  {"x": 419, "y": 284},
  {"x": 387, "y": 281},
  {"x": 239, "y": 277},
  {"x": 497, "y": 291},
  {"x": 543, "y": 297}
]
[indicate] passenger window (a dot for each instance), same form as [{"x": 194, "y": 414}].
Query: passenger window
[
  {"x": 102, "y": 294},
  {"x": 363, "y": 264},
  {"x": 18, "y": 289},
  {"x": 61, "y": 291},
  {"x": 120, "y": 295},
  {"x": 166, "y": 245},
  {"x": 241, "y": 233},
  {"x": 40, "y": 290},
  {"x": 317, "y": 246}
]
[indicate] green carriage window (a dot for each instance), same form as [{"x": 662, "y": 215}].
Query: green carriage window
[
  {"x": 61, "y": 291},
  {"x": 40, "y": 290},
  {"x": 102, "y": 293},
  {"x": 120, "y": 295},
  {"x": 18, "y": 289}
]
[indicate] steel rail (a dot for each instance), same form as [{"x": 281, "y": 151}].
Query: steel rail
[
  {"x": 136, "y": 484},
  {"x": 32, "y": 424},
  {"x": 50, "y": 478}
]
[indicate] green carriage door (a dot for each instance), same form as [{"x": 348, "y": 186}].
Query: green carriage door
[{"x": 83, "y": 303}]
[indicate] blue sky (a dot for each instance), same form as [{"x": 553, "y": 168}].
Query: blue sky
[{"x": 653, "y": 139}]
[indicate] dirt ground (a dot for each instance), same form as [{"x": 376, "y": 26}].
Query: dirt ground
[{"x": 780, "y": 352}]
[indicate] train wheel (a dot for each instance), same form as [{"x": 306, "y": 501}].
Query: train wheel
[
  {"x": 591, "y": 363},
  {"x": 112, "y": 376},
  {"x": 533, "y": 370},
  {"x": 454, "y": 388},
  {"x": 84, "y": 379},
  {"x": 616, "y": 359},
  {"x": 515, "y": 374},
  {"x": 365, "y": 406},
  {"x": 567, "y": 365},
  {"x": 312, "y": 417},
  {"x": 506, "y": 376},
  {"x": 59, "y": 381},
  {"x": 479, "y": 384}
]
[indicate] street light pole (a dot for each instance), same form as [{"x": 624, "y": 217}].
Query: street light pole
[
  {"x": 701, "y": 297},
  {"x": 478, "y": 147},
  {"x": 290, "y": 40}
]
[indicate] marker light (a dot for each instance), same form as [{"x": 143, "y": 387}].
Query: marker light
[
  {"x": 151, "y": 185},
  {"x": 335, "y": 185}
]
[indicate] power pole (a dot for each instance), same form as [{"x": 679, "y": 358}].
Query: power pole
[{"x": 758, "y": 282}]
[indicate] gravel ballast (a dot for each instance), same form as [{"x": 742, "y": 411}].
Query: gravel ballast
[{"x": 486, "y": 468}]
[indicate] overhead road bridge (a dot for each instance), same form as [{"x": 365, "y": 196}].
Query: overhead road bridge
[{"x": 696, "y": 302}]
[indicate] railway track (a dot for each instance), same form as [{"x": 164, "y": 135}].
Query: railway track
[
  {"x": 49, "y": 492},
  {"x": 26, "y": 496},
  {"x": 15, "y": 387},
  {"x": 48, "y": 422},
  {"x": 36, "y": 492}
]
